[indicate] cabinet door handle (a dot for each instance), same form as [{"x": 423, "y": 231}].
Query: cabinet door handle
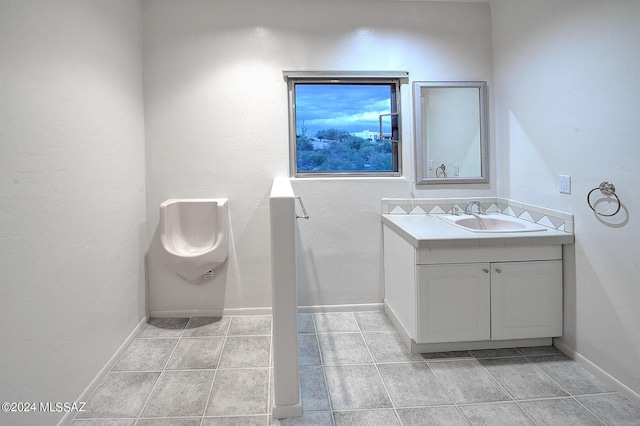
[
  {"x": 498, "y": 270},
  {"x": 485, "y": 270}
]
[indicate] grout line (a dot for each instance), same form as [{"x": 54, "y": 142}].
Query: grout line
[
  {"x": 162, "y": 371},
  {"x": 270, "y": 372},
  {"x": 375, "y": 364},
  {"x": 570, "y": 394},
  {"x": 324, "y": 374},
  {"x": 515, "y": 400},
  {"x": 451, "y": 398},
  {"x": 586, "y": 408}
]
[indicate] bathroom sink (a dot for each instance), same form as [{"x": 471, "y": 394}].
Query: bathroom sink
[{"x": 491, "y": 223}]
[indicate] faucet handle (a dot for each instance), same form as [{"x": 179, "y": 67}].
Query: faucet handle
[
  {"x": 455, "y": 211},
  {"x": 469, "y": 209}
]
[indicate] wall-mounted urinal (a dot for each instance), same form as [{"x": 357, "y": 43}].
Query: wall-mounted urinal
[{"x": 194, "y": 235}]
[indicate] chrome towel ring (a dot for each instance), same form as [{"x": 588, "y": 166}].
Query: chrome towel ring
[{"x": 607, "y": 188}]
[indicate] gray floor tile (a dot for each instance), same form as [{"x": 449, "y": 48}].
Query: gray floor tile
[
  {"x": 245, "y": 352},
  {"x": 120, "y": 395},
  {"x": 388, "y": 346},
  {"x": 308, "y": 351},
  {"x": 335, "y": 322},
  {"x": 499, "y": 414},
  {"x": 239, "y": 392},
  {"x": 164, "y": 327},
  {"x": 366, "y": 418},
  {"x": 307, "y": 419},
  {"x": 467, "y": 381},
  {"x": 235, "y": 421},
  {"x": 413, "y": 384},
  {"x": 565, "y": 412},
  {"x": 343, "y": 348},
  {"x": 207, "y": 326},
  {"x": 146, "y": 355},
  {"x": 250, "y": 325},
  {"x": 179, "y": 393},
  {"x": 432, "y": 416},
  {"x": 495, "y": 353},
  {"x": 576, "y": 379},
  {"x": 194, "y": 421},
  {"x": 447, "y": 355},
  {"x": 521, "y": 378},
  {"x": 613, "y": 409},
  {"x": 373, "y": 321},
  {"x": 198, "y": 352},
  {"x": 313, "y": 390},
  {"x": 305, "y": 323},
  {"x": 239, "y": 395},
  {"x": 356, "y": 386}
]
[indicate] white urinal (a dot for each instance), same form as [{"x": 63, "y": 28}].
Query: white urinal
[{"x": 194, "y": 235}]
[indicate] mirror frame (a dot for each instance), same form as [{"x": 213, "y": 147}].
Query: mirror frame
[{"x": 420, "y": 156}]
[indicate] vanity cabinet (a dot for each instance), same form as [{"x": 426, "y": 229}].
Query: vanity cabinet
[
  {"x": 488, "y": 301},
  {"x": 473, "y": 294}
]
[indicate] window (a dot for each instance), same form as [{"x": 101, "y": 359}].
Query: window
[{"x": 344, "y": 125}]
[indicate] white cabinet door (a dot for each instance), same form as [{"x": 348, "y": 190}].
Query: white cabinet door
[
  {"x": 526, "y": 299},
  {"x": 453, "y": 303}
]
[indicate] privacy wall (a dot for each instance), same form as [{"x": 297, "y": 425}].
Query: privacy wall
[
  {"x": 72, "y": 185},
  {"x": 217, "y": 126},
  {"x": 566, "y": 95}
]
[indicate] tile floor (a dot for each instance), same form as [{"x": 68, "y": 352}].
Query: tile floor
[{"x": 354, "y": 371}]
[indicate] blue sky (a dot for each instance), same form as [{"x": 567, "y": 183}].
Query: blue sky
[{"x": 340, "y": 106}]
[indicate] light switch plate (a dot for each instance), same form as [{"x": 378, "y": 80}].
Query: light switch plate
[{"x": 564, "y": 184}]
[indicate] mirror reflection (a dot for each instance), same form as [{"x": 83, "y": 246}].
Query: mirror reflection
[{"x": 450, "y": 132}]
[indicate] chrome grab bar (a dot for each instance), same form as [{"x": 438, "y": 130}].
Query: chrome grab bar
[{"x": 304, "y": 211}]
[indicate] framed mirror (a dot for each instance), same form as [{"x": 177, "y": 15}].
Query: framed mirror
[{"x": 451, "y": 132}]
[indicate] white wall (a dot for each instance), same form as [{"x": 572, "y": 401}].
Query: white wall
[
  {"x": 72, "y": 198},
  {"x": 217, "y": 126},
  {"x": 567, "y": 102}
]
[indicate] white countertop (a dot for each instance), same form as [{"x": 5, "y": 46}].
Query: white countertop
[{"x": 430, "y": 232}]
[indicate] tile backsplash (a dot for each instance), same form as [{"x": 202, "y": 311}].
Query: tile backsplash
[{"x": 550, "y": 218}]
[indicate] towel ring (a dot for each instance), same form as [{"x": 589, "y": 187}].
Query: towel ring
[{"x": 607, "y": 188}]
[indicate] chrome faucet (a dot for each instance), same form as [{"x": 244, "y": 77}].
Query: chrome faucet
[{"x": 469, "y": 208}]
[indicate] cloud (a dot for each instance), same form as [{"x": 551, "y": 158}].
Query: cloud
[{"x": 345, "y": 107}]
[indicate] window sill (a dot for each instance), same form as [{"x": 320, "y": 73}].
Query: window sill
[{"x": 350, "y": 178}]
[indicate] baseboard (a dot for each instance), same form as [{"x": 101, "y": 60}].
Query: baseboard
[
  {"x": 86, "y": 394},
  {"x": 315, "y": 309},
  {"x": 286, "y": 411},
  {"x": 188, "y": 313},
  {"x": 421, "y": 348},
  {"x": 598, "y": 372},
  {"x": 404, "y": 336}
]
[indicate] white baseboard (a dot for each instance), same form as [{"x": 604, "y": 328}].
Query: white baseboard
[
  {"x": 188, "y": 313},
  {"x": 340, "y": 308},
  {"x": 286, "y": 411},
  {"x": 598, "y": 372},
  {"x": 86, "y": 394}
]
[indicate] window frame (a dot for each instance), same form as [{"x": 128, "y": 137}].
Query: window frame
[{"x": 394, "y": 79}]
